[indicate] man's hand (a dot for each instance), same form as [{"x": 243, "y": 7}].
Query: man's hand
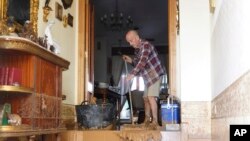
[
  {"x": 129, "y": 77},
  {"x": 127, "y": 58}
]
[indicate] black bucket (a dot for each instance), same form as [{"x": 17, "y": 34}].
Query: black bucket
[{"x": 95, "y": 115}]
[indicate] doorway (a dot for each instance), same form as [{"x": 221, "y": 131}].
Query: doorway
[{"x": 86, "y": 31}]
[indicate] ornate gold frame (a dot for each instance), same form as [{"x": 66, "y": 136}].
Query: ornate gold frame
[{"x": 34, "y": 5}]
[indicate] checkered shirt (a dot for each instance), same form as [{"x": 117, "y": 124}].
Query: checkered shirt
[{"x": 147, "y": 64}]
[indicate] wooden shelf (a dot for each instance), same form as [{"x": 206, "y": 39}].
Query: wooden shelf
[
  {"x": 41, "y": 85},
  {"x": 25, "y": 130},
  {"x": 8, "y": 128},
  {"x": 15, "y": 89},
  {"x": 9, "y": 44}
]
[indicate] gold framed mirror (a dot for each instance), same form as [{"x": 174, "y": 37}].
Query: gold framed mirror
[{"x": 32, "y": 11}]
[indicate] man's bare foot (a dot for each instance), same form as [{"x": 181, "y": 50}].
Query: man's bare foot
[
  {"x": 146, "y": 123},
  {"x": 154, "y": 126}
]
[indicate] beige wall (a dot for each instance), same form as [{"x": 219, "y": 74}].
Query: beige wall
[
  {"x": 231, "y": 107},
  {"x": 196, "y": 116},
  {"x": 201, "y": 79},
  {"x": 230, "y": 67},
  {"x": 66, "y": 37}
]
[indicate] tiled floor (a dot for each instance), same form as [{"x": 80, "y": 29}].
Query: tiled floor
[
  {"x": 171, "y": 136},
  {"x": 199, "y": 140}
]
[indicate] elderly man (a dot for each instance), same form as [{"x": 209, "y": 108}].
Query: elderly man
[{"x": 147, "y": 64}]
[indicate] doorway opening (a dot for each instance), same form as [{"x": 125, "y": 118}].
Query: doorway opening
[{"x": 109, "y": 40}]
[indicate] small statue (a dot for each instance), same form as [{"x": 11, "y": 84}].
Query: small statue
[
  {"x": 42, "y": 42},
  {"x": 51, "y": 44},
  {"x": 10, "y": 24},
  {"x": 27, "y": 32},
  {"x": 48, "y": 34},
  {"x": 56, "y": 47},
  {"x": 14, "y": 119}
]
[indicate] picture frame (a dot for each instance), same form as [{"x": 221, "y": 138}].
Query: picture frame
[
  {"x": 70, "y": 20},
  {"x": 67, "y": 3},
  {"x": 59, "y": 11}
]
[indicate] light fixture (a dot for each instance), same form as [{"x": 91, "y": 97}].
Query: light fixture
[{"x": 116, "y": 21}]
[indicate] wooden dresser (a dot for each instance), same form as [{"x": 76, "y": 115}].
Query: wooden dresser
[{"x": 38, "y": 97}]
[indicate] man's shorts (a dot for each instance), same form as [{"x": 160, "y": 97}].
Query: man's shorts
[{"x": 153, "y": 90}]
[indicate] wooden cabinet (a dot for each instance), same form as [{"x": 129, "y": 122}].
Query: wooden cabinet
[{"x": 38, "y": 98}]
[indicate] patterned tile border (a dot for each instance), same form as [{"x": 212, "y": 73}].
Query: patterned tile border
[
  {"x": 232, "y": 106},
  {"x": 198, "y": 118},
  {"x": 233, "y": 101}
]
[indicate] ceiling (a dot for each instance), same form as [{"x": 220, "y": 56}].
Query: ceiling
[{"x": 149, "y": 15}]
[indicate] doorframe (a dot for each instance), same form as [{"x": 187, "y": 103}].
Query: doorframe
[
  {"x": 85, "y": 48},
  {"x": 172, "y": 34}
]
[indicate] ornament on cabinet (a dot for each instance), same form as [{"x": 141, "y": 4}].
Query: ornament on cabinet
[
  {"x": 51, "y": 45},
  {"x": 14, "y": 119}
]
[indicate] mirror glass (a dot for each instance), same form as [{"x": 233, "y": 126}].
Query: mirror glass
[{"x": 20, "y": 11}]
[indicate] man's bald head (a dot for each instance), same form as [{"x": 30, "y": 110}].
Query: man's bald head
[{"x": 133, "y": 38}]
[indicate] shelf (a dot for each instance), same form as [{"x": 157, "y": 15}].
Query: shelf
[
  {"x": 10, "y": 44},
  {"x": 41, "y": 85},
  {"x": 8, "y": 128},
  {"x": 15, "y": 89},
  {"x": 26, "y": 130}
]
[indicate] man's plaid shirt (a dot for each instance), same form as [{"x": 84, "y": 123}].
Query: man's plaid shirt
[{"x": 147, "y": 64}]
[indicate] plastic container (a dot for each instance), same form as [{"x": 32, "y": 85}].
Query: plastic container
[{"x": 170, "y": 113}]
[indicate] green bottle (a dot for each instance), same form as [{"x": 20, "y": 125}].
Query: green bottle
[
  {"x": 6, "y": 111},
  {"x": 5, "y": 118}
]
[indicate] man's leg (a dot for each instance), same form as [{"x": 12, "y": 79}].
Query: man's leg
[
  {"x": 153, "y": 93},
  {"x": 147, "y": 111},
  {"x": 154, "y": 108}
]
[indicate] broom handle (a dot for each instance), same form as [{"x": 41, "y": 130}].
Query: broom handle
[{"x": 130, "y": 99}]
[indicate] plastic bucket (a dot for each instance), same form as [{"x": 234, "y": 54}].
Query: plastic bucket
[{"x": 170, "y": 113}]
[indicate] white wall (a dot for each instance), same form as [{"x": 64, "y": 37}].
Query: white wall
[
  {"x": 67, "y": 39},
  {"x": 230, "y": 43},
  {"x": 194, "y": 51}
]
